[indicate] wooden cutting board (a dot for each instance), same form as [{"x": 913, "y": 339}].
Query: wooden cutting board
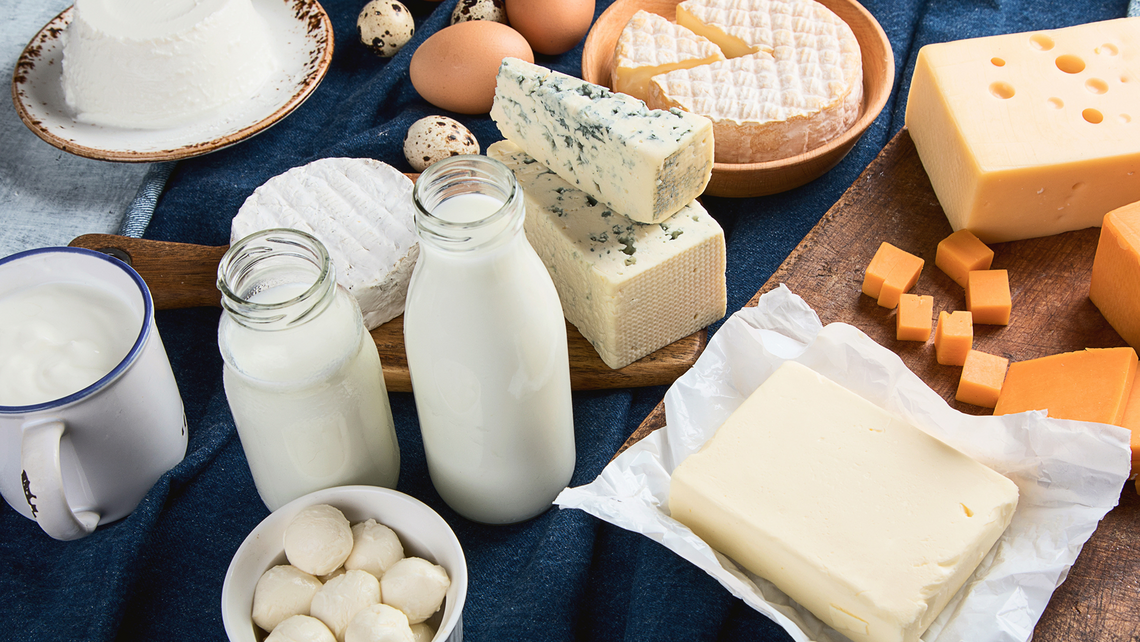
[
  {"x": 1049, "y": 280},
  {"x": 182, "y": 275}
]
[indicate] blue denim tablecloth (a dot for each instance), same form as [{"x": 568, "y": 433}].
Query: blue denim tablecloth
[{"x": 157, "y": 575}]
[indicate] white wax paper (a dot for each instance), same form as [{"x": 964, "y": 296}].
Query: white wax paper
[{"x": 1069, "y": 473}]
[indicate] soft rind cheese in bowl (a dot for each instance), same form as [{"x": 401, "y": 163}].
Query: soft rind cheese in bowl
[
  {"x": 156, "y": 64},
  {"x": 863, "y": 519}
]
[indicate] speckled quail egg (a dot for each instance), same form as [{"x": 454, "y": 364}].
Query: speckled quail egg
[
  {"x": 385, "y": 26},
  {"x": 435, "y": 138},
  {"x": 494, "y": 10}
]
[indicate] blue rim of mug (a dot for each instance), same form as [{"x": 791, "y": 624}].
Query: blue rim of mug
[{"x": 132, "y": 355}]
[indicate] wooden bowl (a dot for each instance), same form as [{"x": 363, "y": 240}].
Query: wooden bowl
[{"x": 759, "y": 179}]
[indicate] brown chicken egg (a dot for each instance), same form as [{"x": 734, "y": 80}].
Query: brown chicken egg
[
  {"x": 551, "y": 26},
  {"x": 455, "y": 68}
]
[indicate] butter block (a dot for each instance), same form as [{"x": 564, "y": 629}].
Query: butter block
[
  {"x": 630, "y": 288},
  {"x": 1087, "y": 385},
  {"x": 1115, "y": 284},
  {"x": 1030, "y": 134},
  {"x": 865, "y": 520}
]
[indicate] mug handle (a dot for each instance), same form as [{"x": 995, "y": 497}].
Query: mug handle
[{"x": 42, "y": 479}]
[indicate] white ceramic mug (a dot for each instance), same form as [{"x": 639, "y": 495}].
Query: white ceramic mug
[{"x": 89, "y": 457}]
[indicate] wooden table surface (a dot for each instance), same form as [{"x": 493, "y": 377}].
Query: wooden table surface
[{"x": 893, "y": 201}]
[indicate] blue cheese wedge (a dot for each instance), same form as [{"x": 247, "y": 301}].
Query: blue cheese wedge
[
  {"x": 630, "y": 288},
  {"x": 646, "y": 164},
  {"x": 361, "y": 210},
  {"x": 867, "y": 521}
]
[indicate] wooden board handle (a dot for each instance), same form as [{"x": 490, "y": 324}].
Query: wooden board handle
[
  {"x": 182, "y": 275},
  {"x": 179, "y": 275}
]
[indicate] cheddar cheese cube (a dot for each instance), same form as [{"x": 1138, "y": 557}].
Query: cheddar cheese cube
[
  {"x": 954, "y": 337},
  {"x": 1131, "y": 421},
  {"x": 961, "y": 253},
  {"x": 886, "y": 258},
  {"x": 982, "y": 377},
  {"x": 1030, "y": 134},
  {"x": 912, "y": 323},
  {"x": 1086, "y": 385},
  {"x": 987, "y": 296},
  {"x": 1115, "y": 285}
]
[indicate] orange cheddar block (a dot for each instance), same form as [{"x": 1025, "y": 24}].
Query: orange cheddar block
[
  {"x": 1115, "y": 285},
  {"x": 913, "y": 318},
  {"x": 962, "y": 253},
  {"x": 982, "y": 377},
  {"x": 954, "y": 337},
  {"x": 901, "y": 278},
  {"x": 1087, "y": 385},
  {"x": 1131, "y": 421},
  {"x": 885, "y": 259},
  {"x": 987, "y": 296}
]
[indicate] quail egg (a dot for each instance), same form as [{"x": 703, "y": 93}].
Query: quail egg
[
  {"x": 493, "y": 10},
  {"x": 385, "y": 26},
  {"x": 435, "y": 138}
]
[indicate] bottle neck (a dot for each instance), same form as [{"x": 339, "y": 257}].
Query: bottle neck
[
  {"x": 467, "y": 204},
  {"x": 276, "y": 279}
]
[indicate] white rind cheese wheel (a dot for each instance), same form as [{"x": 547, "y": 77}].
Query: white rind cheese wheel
[
  {"x": 650, "y": 45},
  {"x": 793, "y": 79},
  {"x": 154, "y": 65},
  {"x": 361, "y": 211}
]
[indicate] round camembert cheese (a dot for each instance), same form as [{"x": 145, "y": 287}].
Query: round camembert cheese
[
  {"x": 156, "y": 64},
  {"x": 361, "y": 210},
  {"x": 650, "y": 45},
  {"x": 792, "y": 81}
]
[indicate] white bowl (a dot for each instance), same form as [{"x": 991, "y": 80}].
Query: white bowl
[{"x": 421, "y": 530}]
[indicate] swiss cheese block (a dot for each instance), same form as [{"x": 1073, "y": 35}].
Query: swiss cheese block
[
  {"x": 793, "y": 79},
  {"x": 1030, "y": 134},
  {"x": 361, "y": 211},
  {"x": 1115, "y": 284},
  {"x": 651, "y": 45},
  {"x": 865, "y": 520},
  {"x": 630, "y": 288},
  {"x": 1086, "y": 385},
  {"x": 645, "y": 164}
]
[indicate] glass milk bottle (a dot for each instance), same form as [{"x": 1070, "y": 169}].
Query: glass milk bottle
[
  {"x": 486, "y": 345},
  {"x": 302, "y": 375}
]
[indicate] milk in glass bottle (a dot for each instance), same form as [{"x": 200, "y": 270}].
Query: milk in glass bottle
[
  {"x": 302, "y": 375},
  {"x": 486, "y": 345}
]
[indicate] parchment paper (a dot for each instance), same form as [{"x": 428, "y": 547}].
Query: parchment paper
[{"x": 1069, "y": 473}]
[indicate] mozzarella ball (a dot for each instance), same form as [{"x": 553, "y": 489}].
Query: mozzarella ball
[
  {"x": 337, "y": 573},
  {"x": 282, "y": 592},
  {"x": 423, "y": 631},
  {"x": 466, "y": 10},
  {"x": 379, "y": 623},
  {"x": 416, "y": 587},
  {"x": 342, "y": 598},
  {"x": 301, "y": 628},
  {"x": 385, "y": 26},
  {"x": 318, "y": 539},
  {"x": 435, "y": 138},
  {"x": 375, "y": 547}
]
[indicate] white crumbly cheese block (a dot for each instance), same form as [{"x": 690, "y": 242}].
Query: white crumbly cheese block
[
  {"x": 793, "y": 80},
  {"x": 650, "y": 45},
  {"x": 361, "y": 211},
  {"x": 865, "y": 520},
  {"x": 646, "y": 164},
  {"x": 149, "y": 65},
  {"x": 630, "y": 288},
  {"x": 1030, "y": 134}
]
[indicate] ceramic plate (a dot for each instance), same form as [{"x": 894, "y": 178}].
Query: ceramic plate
[{"x": 300, "y": 31}]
